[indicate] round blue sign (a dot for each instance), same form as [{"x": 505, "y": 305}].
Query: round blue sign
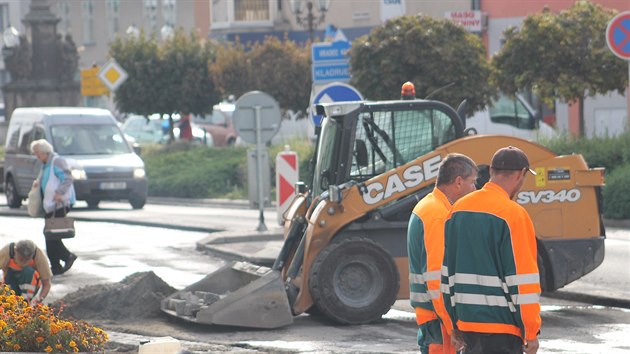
[
  {"x": 334, "y": 92},
  {"x": 618, "y": 35}
]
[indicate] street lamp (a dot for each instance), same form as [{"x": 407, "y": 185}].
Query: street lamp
[
  {"x": 133, "y": 32},
  {"x": 11, "y": 37},
  {"x": 309, "y": 20}
]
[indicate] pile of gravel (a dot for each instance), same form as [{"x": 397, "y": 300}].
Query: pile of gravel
[{"x": 137, "y": 296}]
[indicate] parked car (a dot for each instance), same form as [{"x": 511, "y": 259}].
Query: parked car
[
  {"x": 219, "y": 124},
  {"x": 511, "y": 116},
  {"x": 154, "y": 130}
]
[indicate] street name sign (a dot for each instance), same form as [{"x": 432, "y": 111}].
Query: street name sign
[{"x": 330, "y": 60}]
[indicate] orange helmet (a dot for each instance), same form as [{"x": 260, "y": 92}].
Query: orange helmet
[{"x": 408, "y": 91}]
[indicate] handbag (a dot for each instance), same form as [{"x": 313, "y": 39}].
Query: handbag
[
  {"x": 34, "y": 206},
  {"x": 56, "y": 228}
]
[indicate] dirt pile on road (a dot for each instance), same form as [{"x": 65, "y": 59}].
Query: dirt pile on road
[{"x": 135, "y": 297}]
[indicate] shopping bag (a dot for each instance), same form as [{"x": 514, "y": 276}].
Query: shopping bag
[
  {"x": 34, "y": 206},
  {"x": 56, "y": 228}
]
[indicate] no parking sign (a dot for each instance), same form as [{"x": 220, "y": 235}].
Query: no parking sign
[{"x": 618, "y": 35}]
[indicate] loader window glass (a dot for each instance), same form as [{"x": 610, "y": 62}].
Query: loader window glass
[
  {"x": 326, "y": 150},
  {"x": 394, "y": 138}
]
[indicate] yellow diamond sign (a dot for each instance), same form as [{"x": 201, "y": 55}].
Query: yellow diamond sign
[{"x": 112, "y": 75}]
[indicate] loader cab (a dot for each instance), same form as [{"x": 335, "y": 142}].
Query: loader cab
[{"x": 361, "y": 140}]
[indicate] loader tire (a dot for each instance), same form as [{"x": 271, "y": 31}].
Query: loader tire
[{"x": 354, "y": 281}]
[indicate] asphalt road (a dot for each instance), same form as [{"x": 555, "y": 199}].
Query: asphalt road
[{"x": 108, "y": 252}]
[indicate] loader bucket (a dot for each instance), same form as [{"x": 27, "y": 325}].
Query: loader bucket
[{"x": 242, "y": 294}]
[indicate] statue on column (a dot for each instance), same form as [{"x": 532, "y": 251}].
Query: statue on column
[{"x": 18, "y": 60}]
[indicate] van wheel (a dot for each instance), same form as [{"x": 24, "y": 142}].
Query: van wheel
[
  {"x": 13, "y": 199},
  {"x": 354, "y": 281},
  {"x": 93, "y": 203},
  {"x": 137, "y": 203}
]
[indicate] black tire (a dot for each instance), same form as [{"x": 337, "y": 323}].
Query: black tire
[
  {"x": 354, "y": 281},
  {"x": 10, "y": 190},
  {"x": 93, "y": 203},
  {"x": 137, "y": 203}
]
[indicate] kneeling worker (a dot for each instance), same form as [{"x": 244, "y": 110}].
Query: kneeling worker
[{"x": 26, "y": 270}]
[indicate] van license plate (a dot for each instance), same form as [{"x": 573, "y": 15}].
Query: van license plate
[{"x": 113, "y": 185}]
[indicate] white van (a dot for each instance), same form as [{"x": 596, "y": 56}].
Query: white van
[
  {"x": 103, "y": 164},
  {"x": 510, "y": 116}
]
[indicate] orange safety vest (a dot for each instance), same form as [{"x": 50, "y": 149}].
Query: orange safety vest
[{"x": 24, "y": 281}]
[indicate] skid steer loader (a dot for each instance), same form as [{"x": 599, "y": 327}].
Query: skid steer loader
[{"x": 344, "y": 255}]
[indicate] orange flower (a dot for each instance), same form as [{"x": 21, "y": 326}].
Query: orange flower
[
  {"x": 48, "y": 349},
  {"x": 16, "y": 347},
  {"x": 39, "y": 339},
  {"x": 72, "y": 344},
  {"x": 59, "y": 346}
]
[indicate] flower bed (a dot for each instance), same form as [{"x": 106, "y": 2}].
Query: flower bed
[{"x": 25, "y": 328}]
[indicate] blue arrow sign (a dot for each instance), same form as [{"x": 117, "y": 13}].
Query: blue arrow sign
[{"x": 334, "y": 92}]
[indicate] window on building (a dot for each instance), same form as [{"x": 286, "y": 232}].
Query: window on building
[
  {"x": 63, "y": 11},
  {"x": 150, "y": 15},
  {"x": 219, "y": 11},
  {"x": 88, "y": 21},
  {"x": 113, "y": 17},
  {"x": 169, "y": 12},
  {"x": 251, "y": 10},
  {"x": 4, "y": 16}
]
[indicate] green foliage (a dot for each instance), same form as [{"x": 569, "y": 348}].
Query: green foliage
[
  {"x": 282, "y": 70},
  {"x": 164, "y": 77},
  {"x": 431, "y": 53},
  {"x": 278, "y": 68},
  {"x": 231, "y": 70},
  {"x": 187, "y": 171},
  {"x": 182, "y": 170},
  {"x": 617, "y": 194},
  {"x": 607, "y": 152},
  {"x": 560, "y": 56}
]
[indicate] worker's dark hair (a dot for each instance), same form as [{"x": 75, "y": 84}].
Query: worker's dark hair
[{"x": 455, "y": 165}]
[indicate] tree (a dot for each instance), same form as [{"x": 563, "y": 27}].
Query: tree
[
  {"x": 231, "y": 69},
  {"x": 278, "y": 68},
  {"x": 561, "y": 56},
  {"x": 167, "y": 77},
  {"x": 431, "y": 53},
  {"x": 283, "y": 70}
]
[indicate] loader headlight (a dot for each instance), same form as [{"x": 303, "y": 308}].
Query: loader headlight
[{"x": 78, "y": 173}]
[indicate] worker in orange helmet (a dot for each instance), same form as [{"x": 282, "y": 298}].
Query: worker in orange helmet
[{"x": 408, "y": 91}]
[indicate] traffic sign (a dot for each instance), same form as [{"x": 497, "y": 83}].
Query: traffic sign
[
  {"x": 334, "y": 92},
  {"x": 244, "y": 117},
  {"x": 330, "y": 51},
  {"x": 112, "y": 74},
  {"x": 91, "y": 85},
  {"x": 330, "y": 60},
  {"x": 618, "y": 35},
  {"x": 331, "y": 72}
]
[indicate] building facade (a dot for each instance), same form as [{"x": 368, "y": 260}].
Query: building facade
[{"x": 93, "y": 24}]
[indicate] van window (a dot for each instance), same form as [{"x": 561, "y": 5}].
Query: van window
[
  {"x": 13, "y": 137},
  {"x": 511, "y": 111},
  {"x": 89, "y": 139}
]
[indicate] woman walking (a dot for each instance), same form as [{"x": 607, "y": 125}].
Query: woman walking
[{"x": 55, "y": 180}]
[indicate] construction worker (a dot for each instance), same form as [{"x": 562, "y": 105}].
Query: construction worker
[
  {"x": 408, "y": 91},
  {"x": 425, "y": 242},
  {"x": 490, "y": 281},
  {"x": 26, "y": 270}
]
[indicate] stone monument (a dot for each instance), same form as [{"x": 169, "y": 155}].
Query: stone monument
[{"x": 43, "y": 66}]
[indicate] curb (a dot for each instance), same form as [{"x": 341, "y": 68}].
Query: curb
[{"x": 589, "y": 299}]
